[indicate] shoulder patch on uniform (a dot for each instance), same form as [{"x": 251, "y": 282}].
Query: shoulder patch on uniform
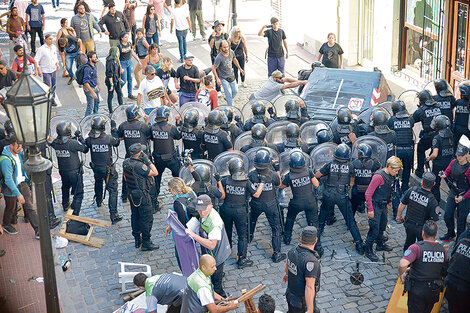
[
  {"x": 310, "y": 266},
  {"x": 144, "y": 167},
  {"x": 407, "y": 252}
]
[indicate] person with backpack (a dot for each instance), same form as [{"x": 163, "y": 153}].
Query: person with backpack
[
  {"x": 276, "y": 39},
  {"x": 207, "y": 94},
  {"x": 17, "y": 66},
  {"x": 71, "y": 46},
  {"x": 141, "y": 48},
  {"x": 88, "y": 77}
]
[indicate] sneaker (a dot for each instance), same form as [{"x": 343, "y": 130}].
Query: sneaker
[
  {"x": 278, "y": 257},
  {"x": 447, "y": 237},
  {"x": 194, "y": 38},
  {"x": 10, "y": 230},
  {"x": 132, "y": 97},
  {"x": 370, "y": 254},
  {"x": 70, "y": 81},
  {"x": 36, "y": 235},
  {"x": 383, "y": 247},
  {"x": 116, "y": 218},
  {"x": 244, "y": 85},
  {"x": 204, "y": 38},
  {"x": 244, "y": 262},
  {"x": 360, "y": 247}
]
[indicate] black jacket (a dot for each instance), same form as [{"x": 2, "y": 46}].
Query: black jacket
[{"x": 114, "y": 24}]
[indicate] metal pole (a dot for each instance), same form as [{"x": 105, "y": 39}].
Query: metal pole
[
  {"x": 37, "y": 166},
  {"x": 234, "y": 13}
]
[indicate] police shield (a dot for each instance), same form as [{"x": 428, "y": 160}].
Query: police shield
[
  {"x": 171, "y": 119},
  {"x": 309, "y": 129},
  {"x": 242, "y": 140},
  {"x": 221, "y": 161},
  {"x": 56, "y": 120},
  {"x": 410, "y": 99},
  {"x": 284, "y": 159},
  {"x": 379, "y": 148},
  {"x": 364, "y": 118},
  {"x": 248, "y": 114},
  {"x": 464, "y": 141},
  {"x": 276, "y": 132},
  {"x": 280, "y": 101},
  {"x": 322, "y": 154},
  {"x": 201, "y": 108},
  {"x": 120, "y": 116},
  {"x": 85, "y": 123},
  {"x": 252, "y": 152},
  {"x": 186, "y": 175},
  {"x": 236, "y": 112}
]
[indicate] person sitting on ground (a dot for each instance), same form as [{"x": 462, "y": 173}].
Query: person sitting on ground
[
  {"x": 274, "y": 86},
  {"x": 207, "y": 94}
]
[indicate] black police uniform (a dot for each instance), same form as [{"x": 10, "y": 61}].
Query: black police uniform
[
  {"x": 257, "y": 119},
  {"x": 255, "y": 144},
  {"x": 303, "y": 199},
  {"x": 443, "y": 141},
  {"x": 336, "y": 192},
  {"x": 232, "y": 130},
  {"x": 446, "y": 105},
  {"x": 71, "y": 171},
  {"x": 193, "y": 140},
  {"x": 458, "y": 277},
  {"x": 268, "y": 203},
  {"x": 234, "y": 210},
  {"x": 209, "y": 188},
  {"x": 216, "y": 143},
  {"x": 457, "y": 175},
  {"x": 301, "y": 263},
  {"x": 421, "y": 206},
  {"x": 364, "y": 168},
  {"x": 104, "y": 169},
  {"x": 289, "y": 146},
  {"x": 425, "y": 114},
  {"x": 341, "y": 134},
  {"x": 164, "y": 154},
  {"x": 461, "y": 120},
  {"x": 139, "y": 185},
  {"x": 403, "y": 127},
  {"x": 132, "y": 132},
  {"x": 425, "y": 281},
  {"x": 390, "y": 139}
]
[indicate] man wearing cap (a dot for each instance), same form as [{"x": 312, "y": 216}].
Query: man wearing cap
[
  {"x": 209, "y": 231},
  {"x": 379, "y": 199},
  {"x": 272, "y": 88},
  {"x": 138, "y": 170},
  {"x": 303, "y": 274},
  {"x": 276, "y": 38},
  {"x": 187, "y": 80},
  {"x": 458, "y": 172},
  {"x": 421, "y": 206},
  {"x": 151, "y": 91}
]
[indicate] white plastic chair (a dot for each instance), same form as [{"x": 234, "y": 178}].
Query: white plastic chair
[{"x": 128, "y": 277}]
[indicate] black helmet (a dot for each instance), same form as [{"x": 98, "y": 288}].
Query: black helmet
[
  {"x": 132, "y": 112},
  {"x": 440, "y": 122},
  {"x": 324, "y": 135},
  {"x": 442, "y": 88},
  {"x": 204, "y": 172},
  {"x": 98, "y": 126},
  {"x": 425, "y": 98},
  {"x": 228, "y": 113},
  {"x": 215, "y": 119},
  {"x": 258, "y": 133},
  {"x": 292, "y": 108},
  {"x": 262, "y": 159},
  {"x": 236, "y": 167},
  {"x": 292, "y": 132},
  {"x": 9, "y": 127},
  {"x": 342, "y": 152},
  {"x": 190, "y": 120},
  {"x": 464, "y": 91},
  {"x": 258, "y": 108},
  {"x": 297, "y": 160},
  {"x": 399, "y": 109},
  {"x": 64, "y": 130},
  {"x": 379, "y": 120},
  {"x": 163, "y": 112},
  {"x": 364, "y": 150},
  {"x": 344, "y": 115}
]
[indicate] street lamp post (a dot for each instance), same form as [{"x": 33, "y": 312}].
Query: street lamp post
[
  {"x": 28, "y": 105},
  {"x": 234, "y": 13}
]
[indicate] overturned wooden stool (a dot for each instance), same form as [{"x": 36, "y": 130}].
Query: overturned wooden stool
[{"x": 85, "y": 239}]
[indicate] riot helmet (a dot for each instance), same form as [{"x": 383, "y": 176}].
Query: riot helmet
[
  {"x": 292, "y": 108},
  {"x": 324, "y": 135},
  {"x": 236, "y": 167},
  {"x": 364, "y": 150},
  {"x": 292, "y": 134},
  {"x": 442, "y": 88},
  {"x": 464, "y": 91},
  {"x": 425, "y": 98},
  {"x": 399, "y": 109},
  {"x": 440, "y": 122},
  {"x": 64, "y": 131},
  {"x": 98, "y": 126},
  {"x": 342, "y": 152},
  {"x": 132, "y": 112},
  {"x": 228, "y": 113},
  {"x": 379, "y": 120},
  {"x": 190, "y": 120},
  {"x": 215, "y": 119},
  {"x": 204, "y": 173},
  {"x": 162, "y": 114},
  {"x": 344, "y": 116},
  {"x": 258, "y": 133},
  {"x": 258, "y": 108},
  {"x": 297, "y": 160},
  {"x": 262, "y": 159}
]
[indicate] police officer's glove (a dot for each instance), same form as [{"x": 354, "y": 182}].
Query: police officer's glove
[
  {"x": 145, "y": 158},
  {"x": 237, "y": 119},
  {"x": 77, "y": 133},
  {"x": 113, "y": 124},
  {"x": 217, "y": 177},
  {"x": 187, "y": 162},
  {"x": 276, "y": 166},
  {"x": 271, "y": 112}
]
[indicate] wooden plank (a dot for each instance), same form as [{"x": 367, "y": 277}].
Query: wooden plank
[
  {"x": 81, "y": 239},
  {"x": 93, "y": 221},
  {"x": 90, "y": 231}
]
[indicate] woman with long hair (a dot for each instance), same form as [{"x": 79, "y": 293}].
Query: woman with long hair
[
  {"x": 151, "y": 25},
  {"x": 183, "y": 195},
  {"x": 64, "y": 31},
  {"x": 141, "y": 48},
  {"x": 126, "y": 51},
  {"x": 154, "y": 58},
  {"x": 165, "y": 72},
  {"x": 238, "y": 46},
  {"x": 113, "y": 72}
]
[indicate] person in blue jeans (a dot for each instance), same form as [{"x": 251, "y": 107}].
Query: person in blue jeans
[
  {"x": 180, "y": 20},
  {"x": 125, "y": 52},
  {"x": 91, "y": 85},
  {"x": 71, "y": 46},
  {"x": 151, "y": 25}
]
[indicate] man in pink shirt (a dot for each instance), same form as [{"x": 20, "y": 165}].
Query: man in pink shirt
[{"x": 379, "y": 199}]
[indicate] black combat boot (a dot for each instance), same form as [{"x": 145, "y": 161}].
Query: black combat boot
[
  {"x": 278, "y": 257},
  {"x": 53, "y": 221},
  {"x": 116, "y": 218},
  {"x": 360, "y": 247},
  {"x": 287, "y": 238},
  {"x": 383, "y": 247},
  {"x": 370, "y": 253},
  {"x": 149, "y": 246},
  {"x": 244, "y": 262},
  {"x": 138, "y": 242}
]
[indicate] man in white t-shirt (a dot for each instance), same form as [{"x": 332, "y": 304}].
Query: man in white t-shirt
[
  {"x": 151, "y": 92},
  {"x": 180, "y": 20},
  {"x": 272, "y": 88}
]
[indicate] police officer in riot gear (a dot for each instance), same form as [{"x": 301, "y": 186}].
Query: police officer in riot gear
[
  {"x": 442, "y": 150},
  {"x": 324, "y": 135},
  {"x": 421, "y": 268},
  {"x": 420, "y": 207},
  {"x": 462, "y": 113},
  {"x": 191, "y": 135},
  {"x": 444, "y": 98},
  {"x": 138, "y": 173},
  {"x": 458, "y": 172},
  {"x": 70, "y": 166},
  {"x": 132, "y": 131},
  {"x": 301, "y": 180},
  {"x": 428, "y": 108},
  {"x": 204, "y": 182},
  {"x": 378, "y": 199},
  {"x": 402, "y": 123},
  {"x": 303, "y": 273},
  {"x": 340, "y": 175},
  {"x": 381, "y": 130},
  {"x": 100, "y": 145},
  {"x": 267, "y": 202},
  {"x": 296, "y": 112},
  {"x": 164, "y": 154},
  {"x": 259, "y": 110},
  {"x": 364, "y": 167},
  {"x": 344, "y": 132},
  {"x": 293, "y": 140},
  {"x": 215, "y": 140},
  {"x": 258, "y": 135},
  {"x": 236, "y": 191},
  {"x": 229, "y": 126}
]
